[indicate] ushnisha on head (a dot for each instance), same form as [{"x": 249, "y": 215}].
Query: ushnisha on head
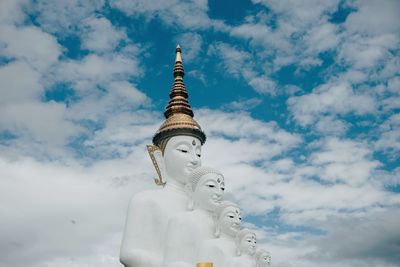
[
  {"x": 205, "y": 188},
  {"x": 263, "y": 258},
  {"x": 246, "y": 242},
  {"x": 227, "y": 218},
  {"x": 178, "y": 113}
]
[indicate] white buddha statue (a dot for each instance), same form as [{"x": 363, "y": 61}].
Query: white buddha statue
[
  {"x": 187, "y": 231},
  {"x": 263, "y": 258},
  {"x": 246, "y": 245},
  {"x": 178, "y": 141},
  {"x": 222, "y": 247}
]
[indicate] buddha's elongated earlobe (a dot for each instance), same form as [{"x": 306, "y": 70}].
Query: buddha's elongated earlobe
[
  {"x": 190, "y": 205},
  {"x": 238, "y": 252},
  {"x": 189, "y": 192},
  {"x": 217, "y": 231},
  {"x": 157, "y": 159}
]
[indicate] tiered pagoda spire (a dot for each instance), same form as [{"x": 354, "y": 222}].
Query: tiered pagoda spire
[{"x": 178, "y": 112}]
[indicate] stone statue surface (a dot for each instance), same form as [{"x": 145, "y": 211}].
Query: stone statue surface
[
  {"x": 187, "y": 230},
  {"x": 263, "y": 258},
  {"x": 222, "y": 247},
  {"x": 149, "y": 211},
  {"x": 179, "y": 139},
  {"x": 246, "y": 245},
  {"x": 185, "y": 220}
]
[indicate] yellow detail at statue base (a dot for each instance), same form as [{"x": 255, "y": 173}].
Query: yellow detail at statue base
[{"x": 204, "y": 264}]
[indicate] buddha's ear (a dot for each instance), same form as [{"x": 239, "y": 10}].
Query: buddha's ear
[
  {"x": 189, "y": 192},
  {"x": 217, "y": 229},
  {"x": 157, "y": 159},
  {"x": 238, "y": 252}
]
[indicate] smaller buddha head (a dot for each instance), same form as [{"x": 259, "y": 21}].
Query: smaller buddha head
[
  {"x": 181, "y": 155},
  {"x": 227, "y": 219},
  {"x": 246, "y": 242},
  {"x": 206, "y": 188},
  {"x": 263, "y": 258}
]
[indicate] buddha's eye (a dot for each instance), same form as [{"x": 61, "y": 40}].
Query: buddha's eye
[
  {"x": 211, "y": 185},
  {"x": 230, "y": 216},
  {"x": 183, "y": 150}
]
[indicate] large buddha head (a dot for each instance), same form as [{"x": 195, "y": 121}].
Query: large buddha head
[
  {"x": 263, "y": 258},
  {"x": 227, "y": 219},
  {"x": 180, "y": 137},
  {"x": 246, "y": 242},
  {"x": 206, "y": 188}
]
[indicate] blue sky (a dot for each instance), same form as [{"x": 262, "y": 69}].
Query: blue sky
[{"x": 299, "y": 100}]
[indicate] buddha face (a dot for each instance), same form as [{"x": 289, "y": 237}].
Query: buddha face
[
  {"x": 209, "y": 191},
  {"x": 264, "y": 260},
  {"x": 181, "y": 156},
  {"x": 248, "y": 244},
  {"x": 229, "y": 221}
]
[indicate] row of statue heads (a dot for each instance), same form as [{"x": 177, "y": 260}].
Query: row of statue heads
[{"x": 186, "y": 220}]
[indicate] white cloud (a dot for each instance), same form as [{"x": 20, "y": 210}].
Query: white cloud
[
  {"x": 261, "y": 34},
  {"x": 94, "y": 70},
  {"x": 394, "y": 85},
  {"x": 240, "y": 64},
  {"x": 187, "y": 14},
  {"x": 64, "y": 16},
  {"x": 344, "y": 160},
  {"x": 330, "y": 125},
  {"x": 233, "y": 60},
  {"x": 367, "y": 52},
  {"x": 304, "y": 13},
  {"x": 23, "y": 114},
  {"x": 45, "y": 123},
  {"x": 373, "y": 17},
  {"x": 19, "y": 82},
  {"x": 242, "y": 125},
  {"x": 122, "y": 133},
  {"x": 330, "y": 99},
  {"x": 99, "y": 35},
  {"x": 11, "y": 11},
  {"x": 191, "y": 42},
  {"x": 322, "y": 38},
  {"x": 389, "y": 140},
  {"x": 263, "y": 84},
  {"x": 30, "y": 44},
  {"x": 67, "y": 206},
  {"x": 242, "y": 105},
  {"x": 295, "y": 35}
]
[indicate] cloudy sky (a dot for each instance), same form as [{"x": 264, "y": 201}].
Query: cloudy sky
[{"x": 300, "y": 102}]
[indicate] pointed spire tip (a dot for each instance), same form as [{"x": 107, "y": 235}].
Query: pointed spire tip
[{"x": 178, "y": 54}]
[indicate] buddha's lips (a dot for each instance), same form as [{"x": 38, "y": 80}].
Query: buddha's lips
[{"x": 190, "y": 168}]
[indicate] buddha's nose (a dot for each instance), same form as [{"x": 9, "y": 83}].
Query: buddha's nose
[
  {"x": 195, "y": 160},
  {"x": 219, "y": 193}
]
